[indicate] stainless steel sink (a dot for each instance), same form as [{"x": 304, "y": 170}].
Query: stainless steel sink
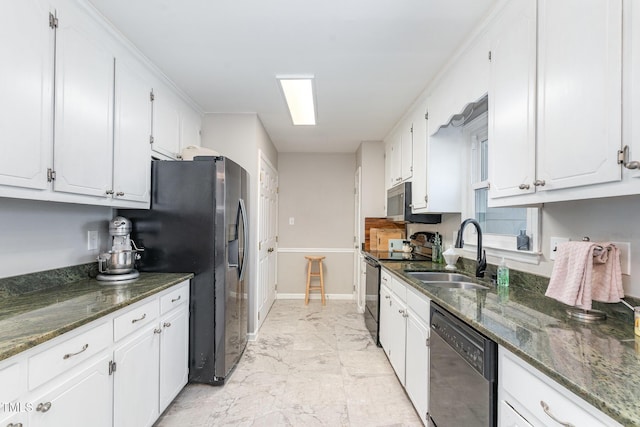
[
  {"x": 456, "y": 285},
  {"x": 445, "y": 280},
  {"x": 436, "y": 276}
]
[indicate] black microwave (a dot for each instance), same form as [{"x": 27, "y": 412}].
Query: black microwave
[{"x": 399, "y": 207}]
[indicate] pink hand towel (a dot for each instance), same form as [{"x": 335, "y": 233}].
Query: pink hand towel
[{"x": 578, "y": 278}]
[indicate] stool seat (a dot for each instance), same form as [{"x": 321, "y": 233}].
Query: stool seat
[{"x": 310, "y": 273}]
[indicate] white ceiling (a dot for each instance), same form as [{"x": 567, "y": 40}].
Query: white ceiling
[{"x": 370, "y": 58}]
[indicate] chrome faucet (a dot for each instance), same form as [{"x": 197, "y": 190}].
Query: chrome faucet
[{"x": 482, "y": 257}]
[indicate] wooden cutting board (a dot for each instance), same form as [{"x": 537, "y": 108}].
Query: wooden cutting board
[
  {"x": 380, "y": 238},
  {"x": 370, "y": 243}
]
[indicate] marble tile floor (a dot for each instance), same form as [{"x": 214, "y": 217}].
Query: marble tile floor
[{"x": 310, "y": 366}]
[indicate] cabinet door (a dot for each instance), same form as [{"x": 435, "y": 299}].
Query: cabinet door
[
  {"x": 136, "y": 382},
  {"x": 388, "y": 173},
  {"x": 631, "y": 84},
  {"x": 579, "y": 92},
  {"x": 83, "y": 145},
  {"x": 166, "y": 123},
  {"x": 190, "y": 128},
  {"x": 417, "y": 364},
  {"x": 83, "y": 400},
  {"x": 512, "y": 92},
  {"x": 406, "y": 151},
  {"x": 131, "y": 149},
  {"x": 509, "y": 417},
  {"x": 26, "y": 97},
  {"x": 174, "y": 354},
  {"x": 397, "y": 336},
  {"x": 419, "y": 173},
  {"x": 384, "y": 317}
]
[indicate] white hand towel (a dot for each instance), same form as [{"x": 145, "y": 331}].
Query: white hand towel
[
  {"x": 571, "y": 273},
  {"x": 577, "y": 279}
]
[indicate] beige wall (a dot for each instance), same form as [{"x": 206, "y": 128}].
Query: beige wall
[{"x": 316, "y": 190}]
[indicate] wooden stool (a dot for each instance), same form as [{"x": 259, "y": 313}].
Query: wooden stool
[{"x": 310, "y": 274}]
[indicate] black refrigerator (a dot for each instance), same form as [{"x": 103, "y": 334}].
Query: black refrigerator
[{"x": 198, "y": 223}]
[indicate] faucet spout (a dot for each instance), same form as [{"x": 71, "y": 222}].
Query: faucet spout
[{"x": 481, "y": 255}]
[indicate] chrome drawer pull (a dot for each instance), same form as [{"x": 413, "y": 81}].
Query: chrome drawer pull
[
  {"x": 547, "y": 411},
  {"x": 43, "y": 407},
  {"x": 68, "y": 355},
  {"x": 176, "y": 299},
  {"x": 14, "y": 425},
  {"x": 166, "y": 324},
  {"x": 524, "y": 186},
  {"x": 120, "y": 193},
  {"x": 157, "y": 331},
  {"x": 539, "y": 183},
  {"x": 137, "y": 320}
]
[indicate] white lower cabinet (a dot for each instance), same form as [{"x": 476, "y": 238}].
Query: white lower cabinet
[
  {"x": 404, "y": 335},
  {"x": 120, "y": 370},
  {"x": 83, "y": 399},
  {"x": 543, "y": 402},
  {"x": 135, "y": 383}
]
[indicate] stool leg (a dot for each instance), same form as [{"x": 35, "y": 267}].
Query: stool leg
[
  {"x": 321, "y": 282},
  {"x": 306, "y": 296}
]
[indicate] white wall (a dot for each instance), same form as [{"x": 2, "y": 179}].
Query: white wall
[
  {"x": 240, "y": 137},
  {"x": 370, "y": 157},
  {"x": 316, "y": 190},
  {"x": 37, "y": 236}
]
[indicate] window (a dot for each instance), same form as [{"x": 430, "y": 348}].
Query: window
[{"x": 500, "y": 226}]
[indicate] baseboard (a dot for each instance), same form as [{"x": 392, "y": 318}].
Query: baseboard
[
  {"x": 344, "y": 297},
  {"x": 252, "y": 336}
]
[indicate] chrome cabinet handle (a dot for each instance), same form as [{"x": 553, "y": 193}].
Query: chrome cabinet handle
[
  {"x": 539, "y": 183},
  {"x": 43, "y": 407},
  {"x": 387, "y": 296},
  {"x": 119, "y": 193},
  {"x": 137, "y": 320},
  {"x": 68, "y": 355},
  {"x": 157, "y": 331},
  {"x": 109, "y": 192},
  {"x": 14, "y": 425},
  {"x": 166, "y": 324},
  {"x": 547, "y": 411},
  {"x": 176, "y": 299},
  {"x": 524, "y": 186}
]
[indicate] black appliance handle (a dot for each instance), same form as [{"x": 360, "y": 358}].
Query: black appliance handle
[{"x": 243, "y": 248}]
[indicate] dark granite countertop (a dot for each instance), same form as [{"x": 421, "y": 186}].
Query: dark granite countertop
[
  {"x": 31, "y": 318},
  {"x": 599, "y": 362}
]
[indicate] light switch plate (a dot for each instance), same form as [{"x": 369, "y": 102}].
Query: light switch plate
[
  {"x": 625, "y": 256},
  {"x": 553, "y": 245}
]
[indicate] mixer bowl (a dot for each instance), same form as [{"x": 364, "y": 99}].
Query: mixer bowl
[{"x": 117, "y": 262}]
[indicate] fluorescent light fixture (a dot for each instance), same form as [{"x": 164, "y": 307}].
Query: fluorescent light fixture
[{"x": 298, "y": 92}]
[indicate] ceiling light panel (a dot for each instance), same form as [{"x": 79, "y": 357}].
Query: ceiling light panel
[{"x": 299, "y": 94}]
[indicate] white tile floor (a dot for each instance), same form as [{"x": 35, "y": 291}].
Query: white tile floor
[{"x": 311, "y": 366}]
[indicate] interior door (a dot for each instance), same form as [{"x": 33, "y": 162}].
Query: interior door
[
  {"x": 359, "y": 285},
  {"x": 267, "y": 238}
]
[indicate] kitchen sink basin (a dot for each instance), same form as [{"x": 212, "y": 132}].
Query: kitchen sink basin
[
  {"x": 456, "y": 285},
  {"x": 436, "y": 276},
  {"x": 445, "y": 280}
]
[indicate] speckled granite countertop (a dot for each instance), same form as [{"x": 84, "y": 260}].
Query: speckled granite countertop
[
  {"x": 31, "y": 318},
  {"x": 598, "y": 362}
]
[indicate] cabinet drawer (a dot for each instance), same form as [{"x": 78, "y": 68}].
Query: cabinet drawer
[
  {"x": 418, "y": 303},
  {"x": 385, "y": 277},
  {"x": 134, "y": 319},
  {"x": 560, "y": 403},
  {"x": 398, "y": 288},
  {"x": 13, "y": 377},
  {"x": 67, "y": 354},
  {"x": 175, "y": 298}
]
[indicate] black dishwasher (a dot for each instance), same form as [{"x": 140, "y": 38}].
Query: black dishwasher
[{"x": 463, "y": 374}]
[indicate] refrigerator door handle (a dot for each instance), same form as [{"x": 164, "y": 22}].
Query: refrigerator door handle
[{"x": 242, "y": 248}]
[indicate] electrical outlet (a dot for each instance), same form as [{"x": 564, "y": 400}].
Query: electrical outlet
[
  {"x": 553, "y": 245},
  {"x": 92, "y": 240},
  {"x": 625, "y": 256}
]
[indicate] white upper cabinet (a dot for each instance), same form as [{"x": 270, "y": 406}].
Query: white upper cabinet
[
  {"x": 83, "y": 140},
  {"x": 419, "y": 178},
  {"x": 399, "y": 155},
  {"x": 579, "y": 93},
  {"x": 166, "y": 122},
  {"x": 631, "y": 92},
  {"x": 512, "y": 101},
  {"x": 26, "y": 98},
  {"x": 131, "y": 147},
  {"x": 406, "y": 151}
]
